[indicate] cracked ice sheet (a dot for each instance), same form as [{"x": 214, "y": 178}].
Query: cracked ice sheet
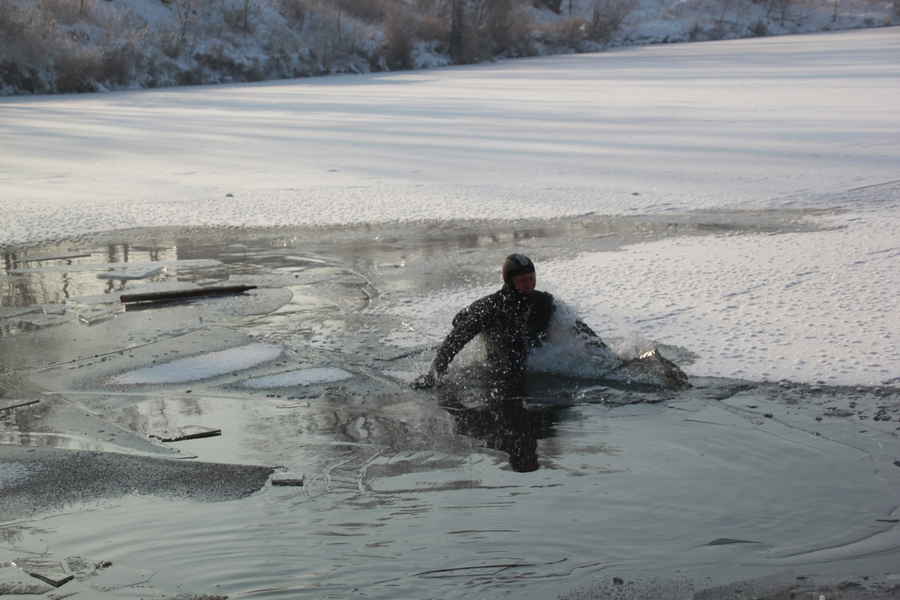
[{"x": 806, "y": 307}]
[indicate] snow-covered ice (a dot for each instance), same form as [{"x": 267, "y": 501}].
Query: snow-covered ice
[
  {"x": 310, "y": 376},
  {"x": 204, "y": 366},
  {"x": 798, "y": 121},
  {"x": 132, "y": 273},
  {"x": 819, "y": 307}
]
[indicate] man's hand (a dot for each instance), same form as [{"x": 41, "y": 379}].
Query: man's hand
[{"x": 429, "y": 380}]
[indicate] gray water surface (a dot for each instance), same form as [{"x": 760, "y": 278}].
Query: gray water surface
[{"x": 405, "y": 496}]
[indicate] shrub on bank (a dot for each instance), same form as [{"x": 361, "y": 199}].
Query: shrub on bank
[{"x": 87, "y": 45}]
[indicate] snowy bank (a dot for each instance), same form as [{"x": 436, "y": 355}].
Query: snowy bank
[{"x": 53, "y": 46}]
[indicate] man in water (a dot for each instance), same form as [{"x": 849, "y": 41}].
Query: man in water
[{"x": 512, "y": 321}]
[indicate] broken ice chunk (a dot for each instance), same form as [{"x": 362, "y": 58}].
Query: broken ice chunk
[
  {"x": 188, "y": 432},
  {"x": 287, "y": 479},
  {"x": 301, "y": 377},
  {"x": 130, "y": 273}
]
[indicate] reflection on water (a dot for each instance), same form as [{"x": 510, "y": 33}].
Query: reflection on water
[
  {"x": 54, "y": 281},
  {"x": 35, "y": 427},
  {"x": 493, "y": 410},
  {"x": 66, "y": 441},
  {"x": 56, "y": 273},
  {"x": 508, "y": 427}
]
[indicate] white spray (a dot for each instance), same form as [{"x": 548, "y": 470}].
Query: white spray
[{"x": 571, "y": 350}]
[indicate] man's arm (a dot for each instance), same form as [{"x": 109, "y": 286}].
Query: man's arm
[{"x": 468, "y": 323}]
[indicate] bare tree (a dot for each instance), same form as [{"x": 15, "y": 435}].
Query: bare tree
[
  {"x": 338, "y": 25},
  {"x": 498, "y": 23},
  {"x": 778, "y": 7},
  {"x": 555, "y": 5},
  {"x": 398, "y": 27},
  {"x": 457, "y": 30},
  {"x": 246, "y": 15},
  {"x": 295, "y": 11},
  {"x": 187, "y": 15},
  {"x": 607, "y": 17},
  {"x": 726, "y": 6}
]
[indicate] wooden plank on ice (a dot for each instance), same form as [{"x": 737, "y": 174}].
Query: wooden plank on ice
[
  {"x": 189, "y": 432},
  {"x": 286, "y": 479},
  {"x": 29, "y": 259},
  {"x": 184, "y": 294},
  {"x": 11, "y": 404}
]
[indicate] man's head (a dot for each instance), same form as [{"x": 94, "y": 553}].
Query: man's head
[{"x": 518, "y": 273}]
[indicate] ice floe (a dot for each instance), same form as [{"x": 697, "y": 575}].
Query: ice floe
[
  {"x": 203, "y": 366},
  {"x": 311, "y": 376}
]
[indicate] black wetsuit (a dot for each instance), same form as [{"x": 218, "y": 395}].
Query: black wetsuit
[{"x": 511, "y": 324}]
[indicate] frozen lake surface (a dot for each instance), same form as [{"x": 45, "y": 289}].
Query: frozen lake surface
[
  {"x": 787, "y": 122},
  {"x": 734, "y": 203}
]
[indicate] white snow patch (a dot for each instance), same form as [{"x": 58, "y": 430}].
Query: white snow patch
[
  {"x": 803, "y": 306},
  {"x": 132, "y": 273},
  {"x": 301, "y": 377},
  {"x": 204, "y": 366}
]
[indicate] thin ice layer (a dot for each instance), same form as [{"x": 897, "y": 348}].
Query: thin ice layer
[
  {"x": 203, "y": 366},
  {"x": 301, "y": 377}
]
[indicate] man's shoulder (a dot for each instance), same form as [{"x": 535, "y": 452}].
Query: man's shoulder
[
  {"x": 542, "y": 298},
  {"x": 501, "y": 296},
  {"x": 489, "y": 302},
  {"x": 479, "y": 310}
]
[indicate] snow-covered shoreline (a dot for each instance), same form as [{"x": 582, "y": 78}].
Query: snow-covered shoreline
[{"x": 94, "y": 46}]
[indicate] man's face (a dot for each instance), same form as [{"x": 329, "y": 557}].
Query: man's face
[{"x": 524, "y": 283}]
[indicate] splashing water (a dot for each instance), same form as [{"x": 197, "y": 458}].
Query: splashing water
[
  {"x": 573, "y": 349},
  {"x": 632, "y": 346}
]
